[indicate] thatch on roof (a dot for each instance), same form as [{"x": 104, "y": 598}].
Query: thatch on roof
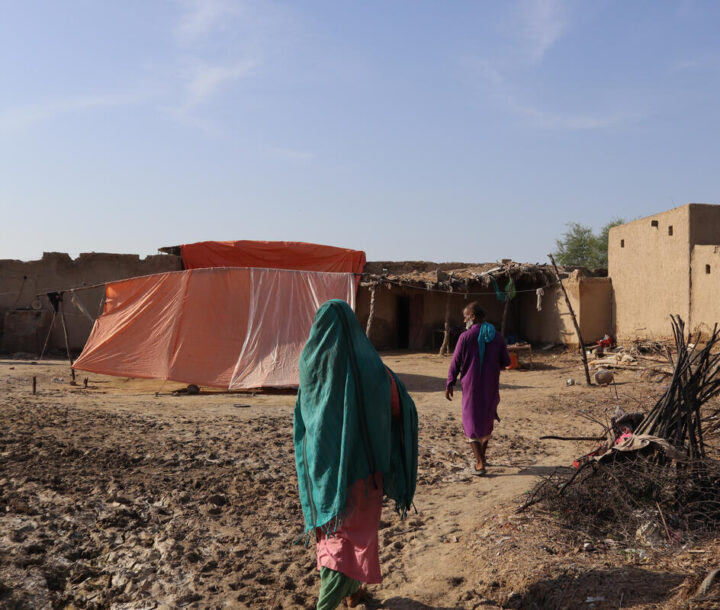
[{"x": 457, "y": 277}]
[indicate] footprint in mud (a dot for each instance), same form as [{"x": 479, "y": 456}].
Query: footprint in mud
[
  {"x": 288, "y": 584},
  {"x": 309, "y": 579},
  {"x": 192, "y": 557}
]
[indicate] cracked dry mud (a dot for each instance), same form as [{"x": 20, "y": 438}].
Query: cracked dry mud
[{"x": 113, "y": 497}]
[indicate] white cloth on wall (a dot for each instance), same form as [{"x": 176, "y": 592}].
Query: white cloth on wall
[
  {"x": 539, "y": 292},
  {"x": 76, "y": 301}
]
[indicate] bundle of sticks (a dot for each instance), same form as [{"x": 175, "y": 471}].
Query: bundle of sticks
[
  {"x": 676, "y": 416},
  {"x": 623, "y": 492}
]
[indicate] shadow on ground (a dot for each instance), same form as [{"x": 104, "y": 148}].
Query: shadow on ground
[
  {"x": 510, "y": 386},
  {"x": 431, "y": 383},
  {"x": 422, "y": 383},
  {"x": 23, "y": 362},
  {"x": 538, "y": 366},
  {"x": 614, "y": 588},
  {"x": 405, "y": 603},
  {"x": 543, "y": 471}
]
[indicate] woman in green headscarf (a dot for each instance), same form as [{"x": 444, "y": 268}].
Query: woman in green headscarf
[{"x": 355, "y": 434}]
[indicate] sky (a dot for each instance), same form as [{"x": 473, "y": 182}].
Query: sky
[{"x": 443, "y": 130}]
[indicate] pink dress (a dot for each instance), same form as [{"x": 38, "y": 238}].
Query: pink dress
[{"x": 353, "y": 549}]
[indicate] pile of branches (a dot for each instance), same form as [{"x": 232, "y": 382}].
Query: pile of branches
[
  {"x": 631, "y": 497},
  {"x": 620, "y": 494},
  {"x": 676, "y": 416}
]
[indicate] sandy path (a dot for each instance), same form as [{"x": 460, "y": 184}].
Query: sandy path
[{"x": 432, "y": 562}]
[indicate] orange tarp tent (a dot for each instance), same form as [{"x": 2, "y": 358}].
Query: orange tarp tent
[
  {"x": 272, "y": 254},
  {"x": 230, "y": 328}
]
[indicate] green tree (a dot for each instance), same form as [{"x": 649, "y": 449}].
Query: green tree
[
  {"x": 602, "y": 241},
  {"x": 579, "y": 246}
]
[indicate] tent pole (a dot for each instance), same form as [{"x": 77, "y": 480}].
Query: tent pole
[
  {"x": 65, "y": 333},
  {"x": 445, "y": 347},
  {"x": 371, "y": 315},
  {"x": 47, "y": 338}
]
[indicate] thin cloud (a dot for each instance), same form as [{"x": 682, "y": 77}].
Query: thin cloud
[
  {"x": 497, "y": 87},
  {"x": 21, "y": 117},
  {"x": 544, "y": 119},
  {"x": 205, "y": 80},
  {"x": 542, "y": 24},
  {"x": 242, "y": 32},
  {"x": 205, "y": 125},
  {"x": 202, "y": 17},
  {"x": 535, "y": 28}
]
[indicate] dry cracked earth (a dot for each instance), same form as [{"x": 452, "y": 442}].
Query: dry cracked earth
[{"x": 115, "y": 497}]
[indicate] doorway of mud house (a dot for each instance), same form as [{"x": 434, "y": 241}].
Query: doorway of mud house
[{"x": 402, "y": 316}]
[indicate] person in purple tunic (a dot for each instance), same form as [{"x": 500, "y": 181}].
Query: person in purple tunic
[{"x": 479, "y": 356}]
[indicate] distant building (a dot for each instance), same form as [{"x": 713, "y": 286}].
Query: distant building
[{"x": 668, "y": 263}]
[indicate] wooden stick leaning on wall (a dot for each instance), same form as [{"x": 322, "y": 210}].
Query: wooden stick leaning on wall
[
  {"x": 574, "y": 319},
  {"x": 371, "y": 315},
  {"x": 445, "y": 347}
]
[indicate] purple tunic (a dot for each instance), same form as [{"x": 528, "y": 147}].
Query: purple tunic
[{"x": 480, "y": 384}]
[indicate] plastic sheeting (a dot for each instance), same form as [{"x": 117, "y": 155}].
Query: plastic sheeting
[
  {"x": 230, "y": 328},
  {"x": 272, "y": 254}
]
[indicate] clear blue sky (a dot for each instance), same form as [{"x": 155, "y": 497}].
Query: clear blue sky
[{"x": 436, "y": 130}]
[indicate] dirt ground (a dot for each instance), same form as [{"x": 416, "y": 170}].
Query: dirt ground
[{"x": 121, "y": 495}]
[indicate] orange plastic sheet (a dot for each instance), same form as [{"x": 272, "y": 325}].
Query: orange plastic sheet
[
  {"x": 272, "y": 255},
  {"x": 230, "y": 328}
]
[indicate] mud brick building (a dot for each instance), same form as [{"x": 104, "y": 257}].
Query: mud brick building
[{"x": 668, "y": 263}]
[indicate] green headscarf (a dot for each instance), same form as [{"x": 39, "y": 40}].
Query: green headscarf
[{"x": 343, "y": 430}]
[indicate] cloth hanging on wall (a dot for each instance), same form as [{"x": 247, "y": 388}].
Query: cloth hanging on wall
[{"x": 509, "y": 293}]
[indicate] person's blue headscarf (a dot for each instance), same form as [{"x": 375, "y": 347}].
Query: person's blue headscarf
[{"x": 487, "y": 334}]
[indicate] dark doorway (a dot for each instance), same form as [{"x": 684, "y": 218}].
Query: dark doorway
[{"x": 403, "y": 321}]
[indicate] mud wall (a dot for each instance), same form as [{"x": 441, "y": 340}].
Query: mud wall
[
  {"x": 552, "y": 324},
  {"x": 25, "y": 317},
  {"x": 705, "y": 306},
  {"x": 704, "y": 267},
  {"x": 424, "y": 315},
  {"x": 591, "y": 300},
  {"x": 649, "y": 265},
  {"x": 595, "y": 318}
]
